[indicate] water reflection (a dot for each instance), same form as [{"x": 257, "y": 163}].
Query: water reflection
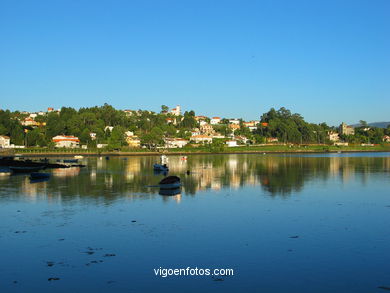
[{"x": 274, "y": 175}]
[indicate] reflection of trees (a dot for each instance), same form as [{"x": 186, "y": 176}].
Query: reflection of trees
[{"x": 105, "y": 181}]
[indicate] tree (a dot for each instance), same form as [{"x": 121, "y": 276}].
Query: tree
[{"x": 164, "y": 109}]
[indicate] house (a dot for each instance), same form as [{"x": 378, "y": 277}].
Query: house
[
  {"x": 231, "y": 143},
  {"x": 176, "y": 111},
  {"x": 175, "y": 142},
  {"x": 234, "y": 121},
  {"x": 133, "y": 141},
  {"x": 29, "y": 122},
  {"x": 265, "y": 124},
  {"x": 218, "y": 135},
  {"x": 272, "y": 139},
  {"x": 345, "y": 129},
  {"x": 4, "y": 141},
  {"x": 200, "y": 118},
  {"x": 101, "y": 145},
  {"x": 207, "y": 129},
  {"x": 252, "y": 128},
  {"x": 386, "y": 138},
  {"x": 234, "y": 126},
  {"x": 50, "y": 109},
  {"x": 169, "y": 120},
  {"x": 337, "y": 143},
  {"x": 129, "y": 133},
  {"x": 242, "y": 138},
  {"x": 92, "y": 135},
  {"x": 66, "y": 141},
  {"x": 333, "y": 136},
  {"x": 215, "y": 120},
  {"x": 202, "y": 122},
  {"x": 202, "y": 138}
]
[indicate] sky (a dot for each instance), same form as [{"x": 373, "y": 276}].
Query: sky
[{"x": 328, "y": 60}]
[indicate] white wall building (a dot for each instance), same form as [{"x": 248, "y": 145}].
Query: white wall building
[
  {"x": 66, "y": 141},
  {"x": 175, "y": 142},
  {"x": 232, "y": 143},
  {"x": 4, "y": 141},
  {"x": 176, "y": 111},
  {"x": 202, "y": 139},
  {"x": 215, "y": 120}
]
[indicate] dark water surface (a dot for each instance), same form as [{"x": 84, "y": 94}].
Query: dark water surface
[{"x": 288, "y": 223}]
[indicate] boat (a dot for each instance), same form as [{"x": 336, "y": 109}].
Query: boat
[
  {"x": 170, "y": 182},
  {"x": 24, "y": 169},
  {"x": 183, "y": 158},
  {"x": 78, "y": 157},
  {"x": 159, "y": 167},
  {"x": 39, "y": 175}
]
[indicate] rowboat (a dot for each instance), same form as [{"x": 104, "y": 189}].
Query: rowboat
[
  {"x": 170, "y": 182},
  {"x": 159, "y": 167}
]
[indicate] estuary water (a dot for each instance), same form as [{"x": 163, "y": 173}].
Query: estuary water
[{"x": 282, "y": 223}]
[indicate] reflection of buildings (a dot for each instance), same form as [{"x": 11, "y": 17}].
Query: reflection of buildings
[
  {"x": 66, "y": 172},
  {"x": 131, "y": 176}
]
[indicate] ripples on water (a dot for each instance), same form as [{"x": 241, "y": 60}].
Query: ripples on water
[{"x": 286, "y": 223}]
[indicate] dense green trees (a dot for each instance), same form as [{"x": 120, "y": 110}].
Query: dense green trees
[{"x": 153, "y": 127}]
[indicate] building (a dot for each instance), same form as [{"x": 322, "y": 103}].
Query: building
[
  {"x": 176, "y": 111},
  {"x": 92, "y": 135},
  {"x": 66, "y": 141},
  {"x": 234, "y": 126},
  {"x": 175, "y": 142},
  {"x": 333, "y": 136},
  {"x": 234, "y": 121},
  {"x": 200, "y": 118},
  {"x": 386, "y": 138},
  {"x": 215, "y": 120},
  {"x": 207, "y": 129},
  {"x": 50, "y": 109},
  {"x": 346, "y": 129},
  {"x": 242, "y": 139},
  {"x": 202, "y": 138},
  {"x": 29, "y": 122},
  {"x": 4, "y": 141},
  {"x": 231, "y": 143}
]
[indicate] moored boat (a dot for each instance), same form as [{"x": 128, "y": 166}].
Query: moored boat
[
  {"x": 170, "y": 182},
  {"x": 70, "y": 160},
  {"x": 159, "y": 167}
]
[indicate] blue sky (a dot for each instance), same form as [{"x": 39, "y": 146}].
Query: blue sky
[{"x": 327, "y": 60}]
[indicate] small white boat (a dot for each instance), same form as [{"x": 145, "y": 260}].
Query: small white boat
[
  {"x": 170, "y": 182},
  {"x": 159, "y": 167},
  {"x": 78, "y": 157}
]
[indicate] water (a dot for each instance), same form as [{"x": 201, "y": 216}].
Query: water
[{"x": 286, "y": 223}]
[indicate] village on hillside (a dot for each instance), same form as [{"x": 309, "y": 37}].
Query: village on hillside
[{"x": 106, "y": 127}]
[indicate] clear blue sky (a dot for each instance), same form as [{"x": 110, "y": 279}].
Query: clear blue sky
[{"x": 327, "y": 60}]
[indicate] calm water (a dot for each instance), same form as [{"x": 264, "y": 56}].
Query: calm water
[{"x": 289, "y": 223}]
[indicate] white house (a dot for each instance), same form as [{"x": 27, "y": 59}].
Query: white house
[
  {"x": 66, "y": 141},
  {"x": 175, "y": 142},
  {"x": 202, "y": 138},
  {"x": 234, "y": 121},
  {"x": 4, "y": 141},
  {"x": 176, "y": 111},
  {"x": 333, "y": 136},
  {"x": 215, "y": 120},
  {"x": 92, "y": 135}
]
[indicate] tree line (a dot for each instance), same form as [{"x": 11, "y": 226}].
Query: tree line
[{"x": 152, "y": 127}]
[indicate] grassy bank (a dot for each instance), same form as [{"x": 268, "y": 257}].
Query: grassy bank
[{"x": 206, "y": 150}]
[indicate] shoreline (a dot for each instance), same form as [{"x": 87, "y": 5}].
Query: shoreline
[{"x": 119, "y": 154}]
